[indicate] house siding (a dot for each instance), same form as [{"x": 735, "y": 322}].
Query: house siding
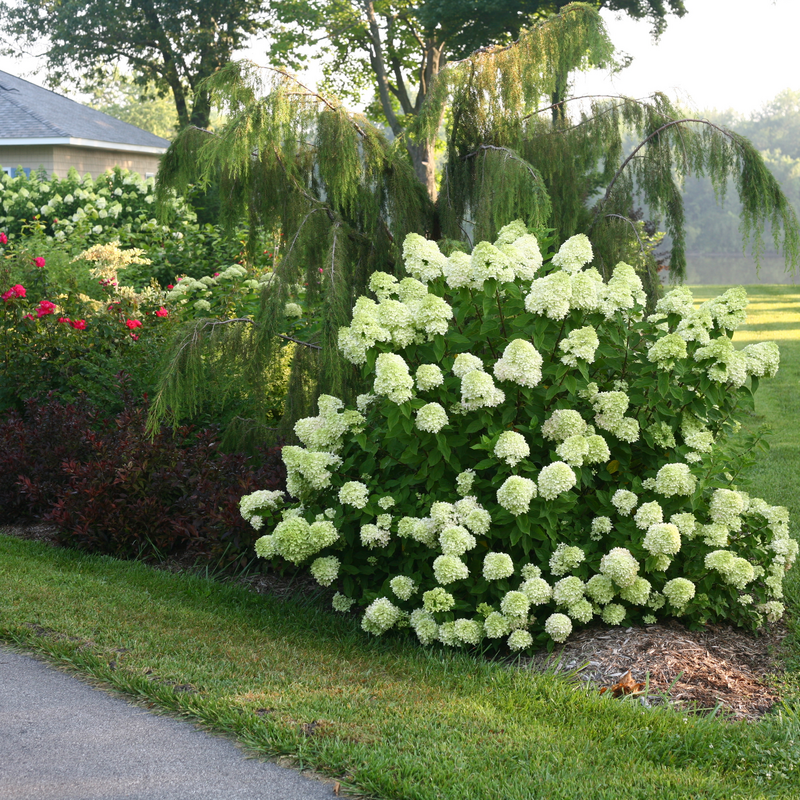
[
  {"x": 58, "y": 159},
  {"x": 27, "y": 156},
  {"x": 96, "y": 162}
]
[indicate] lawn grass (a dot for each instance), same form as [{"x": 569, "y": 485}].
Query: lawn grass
[{"x": 384, "y": 716}]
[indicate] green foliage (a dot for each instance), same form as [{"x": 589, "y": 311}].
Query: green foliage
[
  {"x": 172, "y": 44},
  {"x": 121, "y": 97},
  {"x": 66, "y": 215},
  {"x": 593, "y": 475}
]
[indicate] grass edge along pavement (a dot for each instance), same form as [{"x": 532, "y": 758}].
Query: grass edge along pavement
[{"x": 385, "y": 716}]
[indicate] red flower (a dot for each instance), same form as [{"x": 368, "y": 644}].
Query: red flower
[
  {"x": 29, "y": 316},
  {"x": 134, "y": 337},
  {"x": 162, "y": 312},
  {"x": 65, "y": 319},
  {"x": 45, "y": 308},
  {"x": 3, "y": 238},
  {"x": 170, "y": 286},
  {"x": 133, "y": 324},
  {"x": 39, "y": 261},
  {"x": 14, "y": 291},
  {"x": 79, "y": 324}
]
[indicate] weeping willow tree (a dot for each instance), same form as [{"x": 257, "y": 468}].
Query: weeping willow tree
[{"x": 344, "y": 195}]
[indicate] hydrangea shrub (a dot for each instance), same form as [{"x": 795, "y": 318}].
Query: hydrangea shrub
[{"x": 536, "y": 453}]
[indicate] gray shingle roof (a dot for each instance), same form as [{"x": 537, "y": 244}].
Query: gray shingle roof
[{"x": 28, "y": 111}]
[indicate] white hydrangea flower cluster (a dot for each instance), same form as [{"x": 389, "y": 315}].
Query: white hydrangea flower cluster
[
  {"x": 431, "y": 418},
  {"x": 623, "y": 292},
  {"x": 478, "y": 391},
  {"x": 307, "y": 471},
  {"x": 511, "y": 447},
  {"x": 296, "y": 540},
  {"x": 648, "y": 514},
  {"x": 675, "y": 479},
  {"x": 516, "y": 493},
  {"x": 422, "y": 258},
  {"x": 325, "y": 570},
  {"x": 392, "y": 378},
  {"x": 667, "y": 350},
  {"x": 662, "y": 539},
  {"x": 624, "y": 501},
  {"x": 555, "y": 479},
  {"x": 428, "y": 376},
  {"x": 380, "y": 616},
  {"x": 610, "y": 408},
  {"x": 520, "y": 363},
  {"x": 729, "y": 364},
  {"x": 762, "y": 359},
  {"x": 620, "y": 566},
  {"x": 679, "y": 591},
  {"x": 574, "y": 254},
  {"x": 253, "y": 507},
  {"x": 580, "y": 343},
  {"x": 406, "y": 313},
  {"x": 729, "y": 310},
  {"x": 403, "y": 586},
  {"x": 325, "y": 431},
  {"x": 497, "y": 566},
  {"x": 565, "y": 558},
  {"x": 734, "y": 570}
]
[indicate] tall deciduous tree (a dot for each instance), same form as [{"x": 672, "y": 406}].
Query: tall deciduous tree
[
  {"x": 173, "y": 44},
  {"x": 396, "y": 48},
  {"x": 345, "y": 195}
]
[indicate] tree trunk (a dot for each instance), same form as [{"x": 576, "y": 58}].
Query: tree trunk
[
  {"x": 201, "y": 110},
  {"x": 423, "y": 158}
]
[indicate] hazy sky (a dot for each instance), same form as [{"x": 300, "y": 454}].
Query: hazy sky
[{"x": 724, "y": 53}]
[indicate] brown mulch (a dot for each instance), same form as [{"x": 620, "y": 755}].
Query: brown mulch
[{"x": 719, "y": 667}]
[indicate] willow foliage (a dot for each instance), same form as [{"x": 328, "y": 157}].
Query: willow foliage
[
  {"x": 513, "y": 151},
  {"x": 344, "y": 196},
  {"x": 340, "y": 193}
]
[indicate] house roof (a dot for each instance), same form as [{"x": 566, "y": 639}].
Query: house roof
[{"x": 30, "y": 115}]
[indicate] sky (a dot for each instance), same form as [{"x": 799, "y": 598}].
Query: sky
[{"x": 724, "y": 54}]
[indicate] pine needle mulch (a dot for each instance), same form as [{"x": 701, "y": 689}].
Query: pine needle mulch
[{"x": 717, "y": 668}]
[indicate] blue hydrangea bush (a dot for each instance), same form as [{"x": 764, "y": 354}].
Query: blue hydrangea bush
[{"x": 536, "y": 453}]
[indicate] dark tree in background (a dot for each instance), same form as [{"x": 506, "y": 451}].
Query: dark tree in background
[
  {"x": 396, "y": 48},
  {"x": 171, "y": 44}
]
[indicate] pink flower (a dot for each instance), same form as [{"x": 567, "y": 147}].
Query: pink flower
[
  {"x": 162, "y": 312},
  {"x": 65, "y": 319},
  {"x": 133, "y": 324},
  {"x": 216, "y": 274},
  {"x": 29, "y": 316},
  {"x": 39, "y": 261},
  {"x": 3, "y": 238},
  {"x": 79, "y": 324},
  {"x": 134, "y": 337},
  {"x": 170, "y": 286},
  {"x": 45, "y": 308}
]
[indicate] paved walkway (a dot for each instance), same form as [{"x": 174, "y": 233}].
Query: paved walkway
[{"x": 60, "y": 739}]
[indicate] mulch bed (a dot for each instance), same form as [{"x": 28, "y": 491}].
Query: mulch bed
[{"x": 718, "y": 668}]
